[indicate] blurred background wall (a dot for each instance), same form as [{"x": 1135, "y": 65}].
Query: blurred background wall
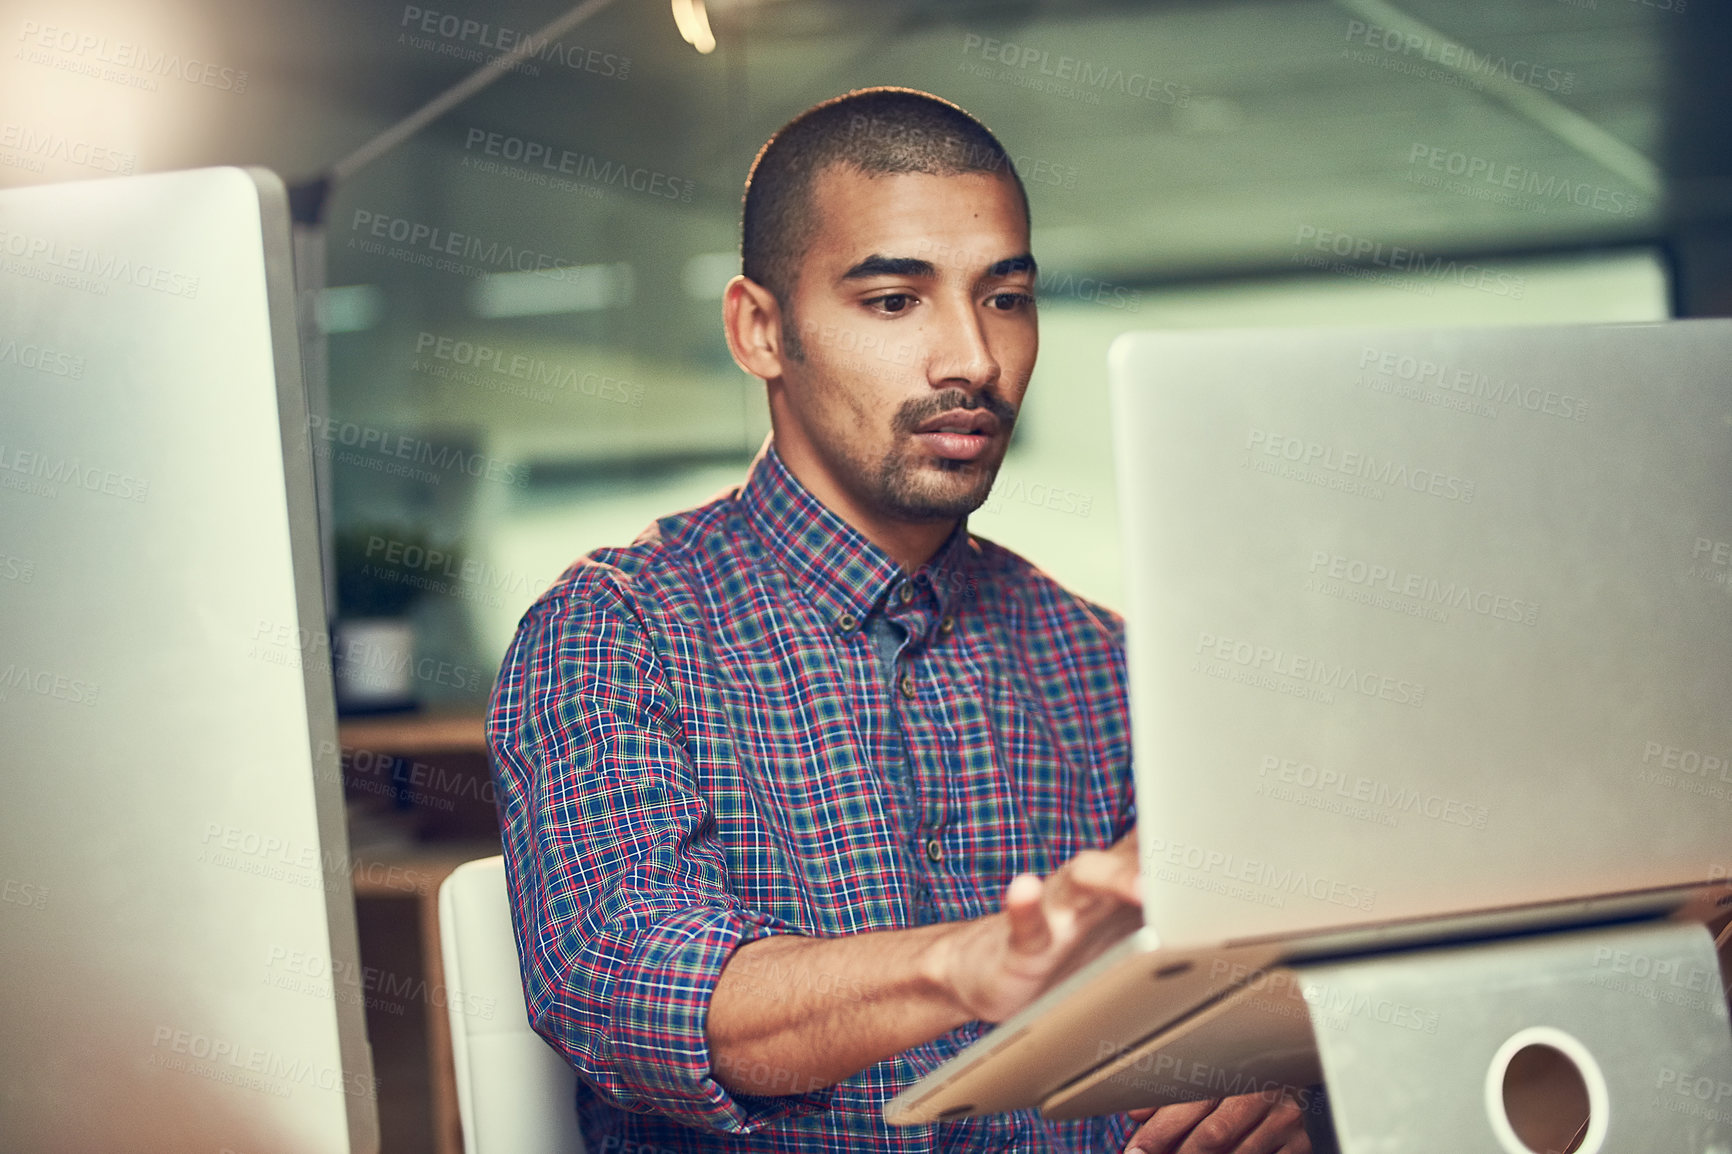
[{"x": 1190, "y": 163}]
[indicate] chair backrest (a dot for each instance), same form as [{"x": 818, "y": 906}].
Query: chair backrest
[{"x": 515, "y": 1093}]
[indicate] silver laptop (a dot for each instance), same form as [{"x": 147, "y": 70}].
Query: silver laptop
[
  {"x": 177, "y": 925},
  {"x": 1430, "y": 637}
]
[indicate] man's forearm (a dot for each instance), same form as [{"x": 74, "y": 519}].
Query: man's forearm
[{"x": 792, "y": 1014}]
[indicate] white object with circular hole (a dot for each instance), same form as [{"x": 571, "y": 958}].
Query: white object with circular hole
[{"x": 1592, "y": 1076}]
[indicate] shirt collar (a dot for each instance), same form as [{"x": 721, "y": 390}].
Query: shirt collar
[{"x": 845, "y": 575}]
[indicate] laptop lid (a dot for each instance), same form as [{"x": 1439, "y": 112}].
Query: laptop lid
[{"x": 1423, "y": 621}]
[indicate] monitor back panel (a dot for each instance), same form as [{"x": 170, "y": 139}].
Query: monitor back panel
[
  {"x": 1425, "y": 621},
  {"x": 177, "y": 933}
]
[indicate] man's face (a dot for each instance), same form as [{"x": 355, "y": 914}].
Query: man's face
[{"x": 915, "y": 311}]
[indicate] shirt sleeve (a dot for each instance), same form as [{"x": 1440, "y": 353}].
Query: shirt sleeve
[
  {"x": 619, "y": 891},
  {"x": 1123, "y": 773}
]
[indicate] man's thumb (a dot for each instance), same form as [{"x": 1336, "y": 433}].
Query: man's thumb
[{"x": 1029, "y": 933}]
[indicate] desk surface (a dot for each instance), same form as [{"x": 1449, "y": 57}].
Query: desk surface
[{"x": 416, "y": 734}]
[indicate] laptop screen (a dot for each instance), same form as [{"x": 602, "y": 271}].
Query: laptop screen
[{"x": 1424, "y": 621}]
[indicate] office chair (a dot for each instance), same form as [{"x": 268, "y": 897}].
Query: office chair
[{"x": 515, "y": 1093}]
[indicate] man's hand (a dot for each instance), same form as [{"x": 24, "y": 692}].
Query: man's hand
[
  {"x": 997, "y": 965},
  {"x": 808, "y": 1012},
  {"x": 1246, "y": 1124}
]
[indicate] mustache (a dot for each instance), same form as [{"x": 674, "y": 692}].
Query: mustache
[{"x": 916, "y": 412}]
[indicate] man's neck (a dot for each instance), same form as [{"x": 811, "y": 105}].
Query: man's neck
[{"x": 910, "y": 544}]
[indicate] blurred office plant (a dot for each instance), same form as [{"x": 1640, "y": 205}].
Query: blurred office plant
[{"x": 382, "y": 571}]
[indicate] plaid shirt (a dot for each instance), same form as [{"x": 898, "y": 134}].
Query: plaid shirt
[{"x": 752, "y": 722}]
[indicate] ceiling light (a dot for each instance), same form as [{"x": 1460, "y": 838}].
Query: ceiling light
[{"x": 694, "y": 25}]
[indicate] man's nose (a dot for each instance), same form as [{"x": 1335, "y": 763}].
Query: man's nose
[{"x": 961, "y": 355}]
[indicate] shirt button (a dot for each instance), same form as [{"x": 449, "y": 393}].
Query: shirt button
[
  {"x": 906, "y": 593},
  {"x": 846, "y": 622},
  {"x": 934, "y": 851},
  {"x": 906, "y": 685},
  {"x": 945, "y": 626}
]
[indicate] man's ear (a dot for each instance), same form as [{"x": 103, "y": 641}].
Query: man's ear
[{"x": 752, "y": 319}]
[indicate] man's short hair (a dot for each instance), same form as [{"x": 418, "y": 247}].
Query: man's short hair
[{"x": 877, "y": 131}]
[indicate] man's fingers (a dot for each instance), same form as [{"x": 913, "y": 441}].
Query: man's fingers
[
  {"x": 1029, "y": 932},
  {"x": 1094, "y": 874},
  {"x": 1282, "y": 1131},
  {"x": 1232, "y": 1120},
  {"x": 1168, "y": 1127}
]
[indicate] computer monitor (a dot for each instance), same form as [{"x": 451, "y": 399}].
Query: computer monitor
[{"x": 177, "y": 929}]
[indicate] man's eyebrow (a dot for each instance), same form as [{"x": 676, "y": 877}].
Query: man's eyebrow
[
  {"x": 1023, "y": 262},
  {"x": 876, "y": 265}
]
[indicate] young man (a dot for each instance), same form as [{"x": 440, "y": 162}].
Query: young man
[{"x": 780, "y": 782}]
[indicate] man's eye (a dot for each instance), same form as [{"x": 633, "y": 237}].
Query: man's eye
[
  {"x": 1010, "y": 301},
  {"x": 892, "y": 302}
]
